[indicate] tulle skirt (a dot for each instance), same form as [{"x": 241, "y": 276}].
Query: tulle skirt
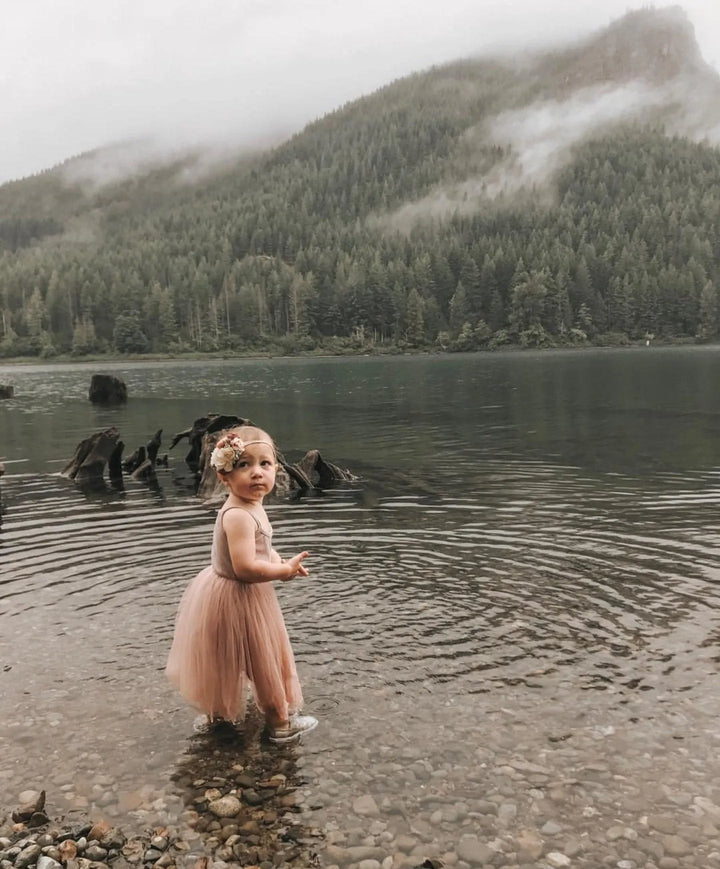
[{"x": 230, "y": 636}]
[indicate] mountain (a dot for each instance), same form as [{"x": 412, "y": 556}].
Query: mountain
[{"x": 558, "y": 197}]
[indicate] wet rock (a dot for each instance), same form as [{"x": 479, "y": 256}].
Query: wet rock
[
  {"x": 225, "y": 807},
  {"x": 6, "y": 391},
  {"x": 662, "y": 823},
  {"x": 38, "y": 819},
  {"x": 358, "y": 853},
  {"x": 529, "y": 845},
  {"x": 98, "y": 830},
  {"x": 68, "y": 850},
  {"x": 473, "y": 851},
  {"x": 27, "y": 856},
  {"x": 133, "y": 851},
  {"x": 252, "y": 797},
  {"x": 32, "y": 802},
  {"x": 114, "y": 839},
  {"x": 675, "y": 846},
  {"x": 366, "y": 806},
  {"x": 551, "y": 828}
]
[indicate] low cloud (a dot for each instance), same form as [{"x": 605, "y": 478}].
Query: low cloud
[{"x": 539, "y": 140}]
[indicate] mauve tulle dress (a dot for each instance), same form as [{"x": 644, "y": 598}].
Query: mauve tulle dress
[{"x": 230, "y": 635}]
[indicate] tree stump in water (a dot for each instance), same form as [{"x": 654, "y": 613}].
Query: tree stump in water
[
  {"x": 107, "y": 389},
  {"x": 322, "y": 474},
  {"x": 311, "y": 472},
  {"x": 212, "y": 422},
  {"x": 93, "y": 453}
]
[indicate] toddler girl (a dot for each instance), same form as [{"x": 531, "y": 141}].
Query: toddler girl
[{"x": 230, "y": 632}]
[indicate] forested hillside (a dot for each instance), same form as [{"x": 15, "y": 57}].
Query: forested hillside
[{"x": 409, "y": 218}]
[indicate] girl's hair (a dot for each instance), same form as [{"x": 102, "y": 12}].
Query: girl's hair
[{"x": 252, "y": 434}]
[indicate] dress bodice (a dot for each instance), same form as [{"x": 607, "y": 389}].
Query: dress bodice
[{"x": 220, "y": 559}]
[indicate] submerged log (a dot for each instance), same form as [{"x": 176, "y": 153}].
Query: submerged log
[
  {"x": 7, "y": 391},
  {"x": 92, "y": 454},
  {"x": 107, "y": 389}
]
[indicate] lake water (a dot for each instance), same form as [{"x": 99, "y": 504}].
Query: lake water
[{"x": 511, "y": 632}]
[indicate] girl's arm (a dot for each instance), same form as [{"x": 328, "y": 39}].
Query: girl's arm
[{"x": 240, "y": 530}]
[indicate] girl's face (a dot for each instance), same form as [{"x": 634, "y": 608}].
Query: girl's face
[{"x": 254, "y": 475}]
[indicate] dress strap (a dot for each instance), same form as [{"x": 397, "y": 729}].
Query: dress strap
[{"x": 245, "y": 510}]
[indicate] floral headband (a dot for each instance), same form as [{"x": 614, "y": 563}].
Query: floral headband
[{"x": 228, "y": 452}]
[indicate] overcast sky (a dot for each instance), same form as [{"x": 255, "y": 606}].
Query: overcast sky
[{"x": 77, "y": 74}]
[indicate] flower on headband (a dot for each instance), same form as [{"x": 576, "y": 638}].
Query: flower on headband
[{"x": 227, "y": 453}]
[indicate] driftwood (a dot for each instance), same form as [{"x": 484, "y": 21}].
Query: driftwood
[
  {"x": 107, "y": 389},
  {"x": 7, "y": 391},
  {"x": 93, "y": 453}
]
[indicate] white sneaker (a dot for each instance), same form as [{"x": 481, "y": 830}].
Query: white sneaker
[
  {"x": 297, "y": 725},
  {"x": 201, "y": 724}
]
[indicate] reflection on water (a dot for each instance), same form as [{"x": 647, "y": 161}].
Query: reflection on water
[{"x": 526, "y": 575}]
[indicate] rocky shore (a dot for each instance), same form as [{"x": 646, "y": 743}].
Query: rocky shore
[
  {"x": 499, "y": 812},
  {"x": 237, "y": 815}
]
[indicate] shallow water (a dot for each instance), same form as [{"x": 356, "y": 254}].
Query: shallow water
[{"x": 518, "y": 599}]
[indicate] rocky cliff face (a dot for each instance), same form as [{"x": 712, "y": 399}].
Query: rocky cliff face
[{"x": 656, "y": 45}]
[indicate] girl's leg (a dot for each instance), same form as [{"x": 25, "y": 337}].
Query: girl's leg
[{"x": 274, "y": 720}]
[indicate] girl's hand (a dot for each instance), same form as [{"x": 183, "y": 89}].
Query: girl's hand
[{"x": 297, "y": 568}]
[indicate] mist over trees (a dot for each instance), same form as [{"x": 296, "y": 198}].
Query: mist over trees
[{"x": 295, "y": 250}]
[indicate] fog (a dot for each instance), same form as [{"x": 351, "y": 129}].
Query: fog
[
  {"x": 539, "y": 140},
  {"x": 76, "y": 75}
]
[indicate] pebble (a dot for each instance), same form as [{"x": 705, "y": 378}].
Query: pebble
[
  {"x": 366, "y": 806},
  {"x": 225, "y": 807},
  {"x": 473, "y": 851}
]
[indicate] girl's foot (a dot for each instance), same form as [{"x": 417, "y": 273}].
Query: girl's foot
[
  {"x": 296, "y": 726},
  {"x": 204, "y": 723}
]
